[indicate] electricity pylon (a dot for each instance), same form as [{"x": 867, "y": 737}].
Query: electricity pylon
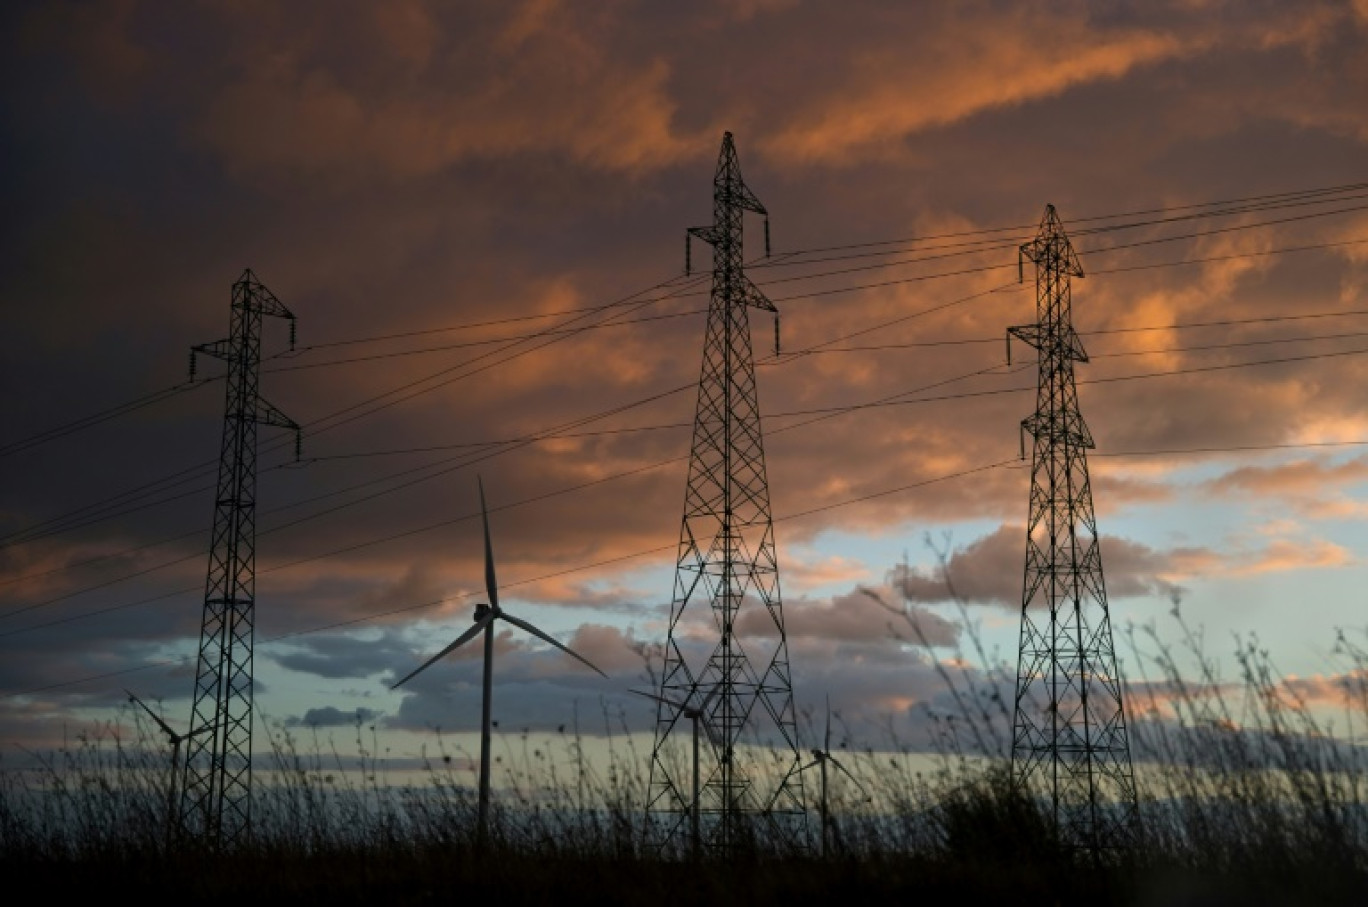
[
  {"x": 727, "y": 562},
  {"x": 216, "y": 792},
  {"x": 1069, "y": 739}
]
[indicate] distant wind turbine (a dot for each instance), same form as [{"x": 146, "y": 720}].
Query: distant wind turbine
[
  {"x": 695, "y": 714},
  {"x": 485, "y": 615},
  {"x": 176, "y": 740},
  {"x": 820, "y": 758}
]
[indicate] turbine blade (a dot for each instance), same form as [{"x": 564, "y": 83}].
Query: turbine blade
[
  {"x": 836, "y": 762},
  {"x": 813, "y": 764},
  {"x": 546, "y": 638},
  {"x": 713, "y": 736},
  {"x": 155, "y": 717},
  {"x": 661, "y": 699},
  {"x": 709, "y": 731},
  {"x": 826, "y": 743},
  {"x": 491, "y": 585},
  {"x": 682, "y": 710},
  {"x": 461, "y": 640}
]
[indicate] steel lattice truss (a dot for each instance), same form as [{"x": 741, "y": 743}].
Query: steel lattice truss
[
  {"x": 1069, "y": 741},
  {"x": 215, "y": 801},
  {"x": 727, "y": 562}
]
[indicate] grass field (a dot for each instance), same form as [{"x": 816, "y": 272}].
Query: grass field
[{"x": 1245, "y": 798}]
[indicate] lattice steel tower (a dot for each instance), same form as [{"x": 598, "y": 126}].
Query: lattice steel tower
[
  {"x": 215, "y": 804},
  {"x": 1069, "y": 741},
  {"x": 727, "y": 563}
]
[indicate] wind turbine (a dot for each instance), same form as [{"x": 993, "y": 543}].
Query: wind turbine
[
  {"x": 820, "y": 758},
  {"x": 696, "y": 715},
  {"x": 176, "y": 740},
  {"x": 485, "y": 615}
]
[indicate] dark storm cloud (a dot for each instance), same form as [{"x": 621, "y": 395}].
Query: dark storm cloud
[
  {"x": 859, "y": 615},
  {"x": 336, "y": 656},
  {"x": 329, "y": 716},
  {"x": 988, "y": 570}
]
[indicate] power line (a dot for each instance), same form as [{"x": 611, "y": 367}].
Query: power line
[
  {"x": 666, "y": 426},
  {"x": 107, "y": 514},
  {"x": 207, "y": 466},
  {"x": 965, "y": 395},
  {"x": 1270, "y": 202},
  {"x": 45, "y": 528},
  {"x": 525, "y": 582},
  {"x": 76, "y": 565},
  {"x": 394, "y": 354},
  {"x": 961, "y": 272},
  {"x": 30, "y": 535},
  {"x": 1021, "y": 228},
  {"x": 974, "y": 247},
  {"x": 895, "y": 400},
  {"x": 788, "y": 259},
  {"x": 879, "y": 347},
  {"x": 316, "y": 427},
  {"x": 1236, "y": 448},
  {"x": 559, "y": 432},
  {"x": 563, "y": 431},
  {"x": 514, "y": 342},
  {"x": 981, "y": 269},
  {"x": 113, "y": 412},
  {"x": 660, "y": 549},
  {"x": 1287, "y": 359},
  {"x": 564, "y": 332},
  {"x": 595, "y": 417},
  {"x": 446, "y": 347},
  {"x": 406, "y": 533}
]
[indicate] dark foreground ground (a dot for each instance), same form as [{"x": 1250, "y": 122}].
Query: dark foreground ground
[{"x": 399, "y": 876}]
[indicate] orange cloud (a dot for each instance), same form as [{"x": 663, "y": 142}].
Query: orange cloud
[
  {"x": 412, "y": 165},
  {"x": 1298, "y": 477},
  {"x": 814, "y": 570},
  {"x": 557, "y": 92},
  {"x": 1288, "y": 555},
  {"x": 894, "y": 93}
]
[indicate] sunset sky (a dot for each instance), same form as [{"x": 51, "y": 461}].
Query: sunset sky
[{"x": 396, "y": 173}]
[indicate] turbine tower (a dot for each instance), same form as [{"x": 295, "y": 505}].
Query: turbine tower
[
  {"x": 727, "y": 564},
  {"x": 1069, "y": 739},
  {"x": 216, "y": 792}
]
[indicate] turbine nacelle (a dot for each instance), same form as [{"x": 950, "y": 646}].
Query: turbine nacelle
[{"x": 487, "y": 613}]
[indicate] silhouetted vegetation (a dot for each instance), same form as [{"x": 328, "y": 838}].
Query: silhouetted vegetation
[{"x": 1246, "y": 797}]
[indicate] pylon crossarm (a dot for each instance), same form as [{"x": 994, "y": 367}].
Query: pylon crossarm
[
  {"x": 708, "y": 234},
  {"x": 267, "y": 414},
  {"x": 756, "y": 298},
  {"x": 219, "y": 349},
  {"x": 1026, "y": 333},
  {"x": 746, "y": 200}
]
